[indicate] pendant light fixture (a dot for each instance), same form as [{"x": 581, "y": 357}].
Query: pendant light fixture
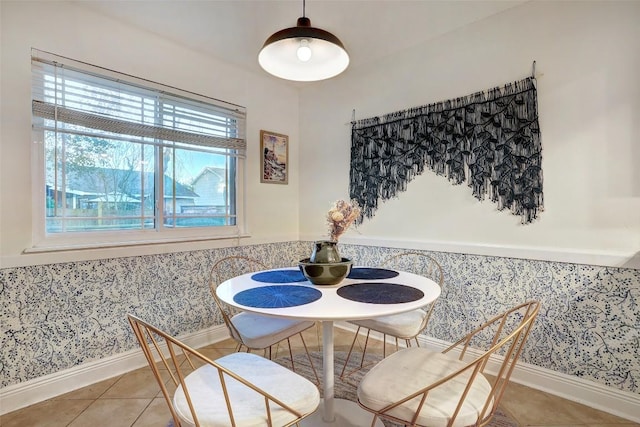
[{"x": 303, "y": 53}]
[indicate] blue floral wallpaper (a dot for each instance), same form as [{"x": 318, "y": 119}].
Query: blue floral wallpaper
[
  {"x": 58, "y": 316},
  {"x": 588, "y": 325}
]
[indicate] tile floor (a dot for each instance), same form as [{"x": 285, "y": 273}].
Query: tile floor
[{"x": 134, "y": 399}]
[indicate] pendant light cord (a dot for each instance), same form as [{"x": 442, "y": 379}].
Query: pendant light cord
[{"x": 303, "y": 9}]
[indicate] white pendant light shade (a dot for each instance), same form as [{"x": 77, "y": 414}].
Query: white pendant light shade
[{"x": 303, "y": 53}]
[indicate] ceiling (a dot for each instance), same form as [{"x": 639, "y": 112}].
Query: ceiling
[{"x": 234, "y": 30}]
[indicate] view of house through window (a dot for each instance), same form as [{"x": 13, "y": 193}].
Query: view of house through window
[{"x": 122, "y": 156}]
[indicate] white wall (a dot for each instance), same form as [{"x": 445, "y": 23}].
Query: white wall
[
  {"x": 588, "y": 63},
  {"x": 72, "y": 30}
]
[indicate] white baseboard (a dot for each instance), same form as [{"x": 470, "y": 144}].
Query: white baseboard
[
  {"x": 607, "y": 399},
  {"x": 617, "y": 402},
  {"x": 20, "y": 395}
]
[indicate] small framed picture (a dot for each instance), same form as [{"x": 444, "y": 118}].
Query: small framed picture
[{"x": 274, "y": 158}]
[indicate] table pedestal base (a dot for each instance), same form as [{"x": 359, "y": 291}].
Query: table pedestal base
[{"x": 347, "y": 414}]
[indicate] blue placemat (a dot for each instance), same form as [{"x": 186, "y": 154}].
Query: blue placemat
[
  {"x": 380, "y": 293},
  {"x": 279, "y": 276},
  {"x": 277, "y": 296},
  {"x": 368, "y": 273}
]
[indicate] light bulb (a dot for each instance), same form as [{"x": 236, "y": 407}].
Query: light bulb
[{"x": 304, "y": 51}]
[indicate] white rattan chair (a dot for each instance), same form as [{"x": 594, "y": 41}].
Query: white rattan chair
[
  {"x": 418, "y": 387},
  {"x": 403, "y": 326},
  {"x": 240, "y": 389},
  {"x": 250, "y": 330}
]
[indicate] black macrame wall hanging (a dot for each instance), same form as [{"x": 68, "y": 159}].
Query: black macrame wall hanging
[{"x": 490, "y": 140}]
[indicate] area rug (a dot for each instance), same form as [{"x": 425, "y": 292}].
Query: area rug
[{"x": 347, "y": 389}]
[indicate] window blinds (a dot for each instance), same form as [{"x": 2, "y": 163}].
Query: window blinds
[{"x": 74, "y": 97}]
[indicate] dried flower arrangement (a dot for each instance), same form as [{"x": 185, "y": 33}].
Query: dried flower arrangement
[{"x": 341, "y": 216}]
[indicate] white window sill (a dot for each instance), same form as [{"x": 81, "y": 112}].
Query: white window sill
[{"x": 108, "y": 245}]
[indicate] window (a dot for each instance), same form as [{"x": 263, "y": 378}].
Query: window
[{"x": 120, "y": 157}]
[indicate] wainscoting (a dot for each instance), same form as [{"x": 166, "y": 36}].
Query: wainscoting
[{"x": 63, "y": 320}]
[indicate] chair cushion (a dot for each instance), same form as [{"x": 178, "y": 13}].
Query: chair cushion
[
  {"x": 409, "y": 370},
  {"x": 248, "y": 406},
  {"x": 402, "y": 325},
  {"x": 259, "y": 331}
]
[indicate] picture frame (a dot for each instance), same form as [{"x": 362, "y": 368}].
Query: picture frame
[{"x": 274, "y": 158}]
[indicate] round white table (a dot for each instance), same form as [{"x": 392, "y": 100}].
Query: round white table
[{"x": 375, "y": 292}]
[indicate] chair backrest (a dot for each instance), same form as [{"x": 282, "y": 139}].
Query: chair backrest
[
  {"x": 224, "y": 269},
  {"x": 504, "y": 336},
  {"x": 179, "y": 360},
  {"x": 422, "y": 264}
]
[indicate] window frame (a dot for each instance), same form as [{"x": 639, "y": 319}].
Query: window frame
[{"x": 44, "y": 241}]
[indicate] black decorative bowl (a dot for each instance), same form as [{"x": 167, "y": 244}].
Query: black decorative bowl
[{"x": 325, "y": 273}]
